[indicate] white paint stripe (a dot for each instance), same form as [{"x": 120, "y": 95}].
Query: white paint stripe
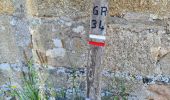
[{"x": 97, "y": 37}]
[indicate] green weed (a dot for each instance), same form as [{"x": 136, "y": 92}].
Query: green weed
[{"x": 30, "y": 88}]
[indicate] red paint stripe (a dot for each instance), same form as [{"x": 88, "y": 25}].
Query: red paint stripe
[{"x": 96, "y": 43}]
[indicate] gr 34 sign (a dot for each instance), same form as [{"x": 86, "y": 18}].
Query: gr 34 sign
[
  {"x": 99, "y": 15},
  {"x": 97, "y": 22}
]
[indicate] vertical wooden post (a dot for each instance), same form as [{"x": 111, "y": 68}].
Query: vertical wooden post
[{"x": 97, "y": 42}]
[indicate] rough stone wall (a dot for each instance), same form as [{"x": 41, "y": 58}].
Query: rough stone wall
[
  {"x": 6, "y": 6},
  {"x": 138, "y": 36},
  {"x": 138, "y": 45},
  {"x": 14, "y": 33},
  {"x": 74, "y": 8}
]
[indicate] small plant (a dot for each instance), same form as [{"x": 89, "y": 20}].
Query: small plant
[
  {"x": 30, "y": 88},
  {"x": 61, "y": 95},
  {"x": 116, "y": 90},
  {"x": 74, "y": 87},
  {"x": 122, "y": 92}
]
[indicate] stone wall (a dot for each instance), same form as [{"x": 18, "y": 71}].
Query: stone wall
[
  {"x": 138, "y": 37},
  {"x": 158, "y": 7}
]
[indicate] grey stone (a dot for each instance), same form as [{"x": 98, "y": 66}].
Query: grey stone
[
  {"x": 56, "y": 52},
  {"x": 57, "y": 43}
]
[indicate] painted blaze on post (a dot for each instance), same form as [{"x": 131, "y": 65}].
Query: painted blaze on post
[{"x": 98, "y": 24}]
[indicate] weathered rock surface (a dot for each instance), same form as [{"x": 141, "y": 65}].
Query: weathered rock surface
[
  {"x": 158, "y": 7},
  {"x": 6, "y": 7},
  {"x": 141, "y": 46},
  {"x": 74, "y": 8},
  {"x": 9, "y": 50},
  {"x": 161, "y": 92}
]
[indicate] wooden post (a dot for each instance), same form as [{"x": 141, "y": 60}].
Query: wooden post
[{"x": 97, "y": 42}]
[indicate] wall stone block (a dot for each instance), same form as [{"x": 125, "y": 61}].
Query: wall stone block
[{"x": 6, "y": 7}]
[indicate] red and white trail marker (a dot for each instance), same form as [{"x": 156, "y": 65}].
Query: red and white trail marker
[
  {"x": 98, "y": 23},
  {"x": 97, "y": 37}
]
